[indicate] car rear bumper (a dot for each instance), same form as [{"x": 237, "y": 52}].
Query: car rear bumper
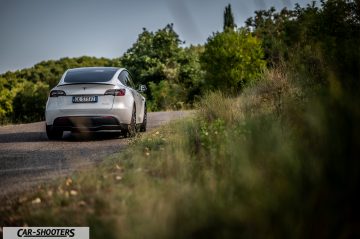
[
  {"x": 122, "y": 115},
  {"x": 87, "y": 123}
]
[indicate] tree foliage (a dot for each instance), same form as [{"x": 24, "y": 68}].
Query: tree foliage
[
  {"x": 190, "y": 73},
  {"x": 6, "y": 107},
  {"x": 231, "y": 60},
  {"x": 166, "y": 96},
  {"x": 158, "y": 60},
  {"x": 229, "y": 22},
  {"x": 153, "y": 57},
  {"x": 319, "y": 40},
  {"x": 29, "y": 101}
]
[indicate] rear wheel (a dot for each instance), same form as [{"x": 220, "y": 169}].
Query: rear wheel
[
  {"x": 53, "y": 134},
  {"x": 131, "y": 128},
  {"x": 143, "y": 124}
]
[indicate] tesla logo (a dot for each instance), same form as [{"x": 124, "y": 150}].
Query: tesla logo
[{"x": 84, "y": 88}]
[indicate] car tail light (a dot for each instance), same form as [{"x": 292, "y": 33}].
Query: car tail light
[
  {"x": 116, "y": 92},
  {"x": 56, "y": 93}
]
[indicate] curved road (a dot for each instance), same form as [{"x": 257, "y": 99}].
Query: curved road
[{"x": 28, "y": 158}]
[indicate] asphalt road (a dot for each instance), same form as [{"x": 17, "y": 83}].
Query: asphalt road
[{"x": 28, "y": 158}]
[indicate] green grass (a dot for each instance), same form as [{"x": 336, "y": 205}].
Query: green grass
[{"x": 271, "y": 163}]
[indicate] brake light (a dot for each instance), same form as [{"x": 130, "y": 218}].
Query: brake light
[
  {"x": 56, "y": 93},
  {"x": 116, "y": 92}
]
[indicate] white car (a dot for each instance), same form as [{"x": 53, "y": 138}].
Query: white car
[{"x": 93, "y": 99}]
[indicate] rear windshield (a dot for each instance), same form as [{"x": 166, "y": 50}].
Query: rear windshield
[{"x": 90, "y": 75}]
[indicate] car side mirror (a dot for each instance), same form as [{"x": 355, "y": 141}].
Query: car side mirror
[{"x": 142, "y": 88}]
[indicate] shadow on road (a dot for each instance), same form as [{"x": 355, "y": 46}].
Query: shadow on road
[
  {"x": 23, "y": 137},
  {"x": 90, "y": 136},
  {"x": 41, "y": 136}
]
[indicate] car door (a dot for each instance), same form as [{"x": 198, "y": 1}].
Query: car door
[
  {"x": 139, "y": 100},
  {"x": 125, "y": 79}
]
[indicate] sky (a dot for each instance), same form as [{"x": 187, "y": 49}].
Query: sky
[{"x": 35, "y": 30}]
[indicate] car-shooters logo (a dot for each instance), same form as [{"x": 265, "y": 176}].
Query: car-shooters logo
[
  {"x": 29, "y": 232},
  {"x": 46, "y": 232}
]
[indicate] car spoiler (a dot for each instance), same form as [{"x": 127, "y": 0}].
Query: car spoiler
[{"x": 87, "y": 83}]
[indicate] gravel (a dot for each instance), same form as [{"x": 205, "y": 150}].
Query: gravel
[{"x": 28, "y": 158}]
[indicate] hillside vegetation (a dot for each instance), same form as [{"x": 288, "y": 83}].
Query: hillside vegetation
[
  {"x": 23, "y": 93},
  {"x": 273, "y": 155}
]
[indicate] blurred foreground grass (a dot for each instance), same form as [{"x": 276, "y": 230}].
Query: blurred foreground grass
[{"x": 273, "y": 163}]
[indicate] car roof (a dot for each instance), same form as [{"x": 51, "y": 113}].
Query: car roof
[{"x": 102, "y": 68}]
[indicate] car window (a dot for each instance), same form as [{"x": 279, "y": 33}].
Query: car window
[
  {"x": 89, "y": 75},
  {"x": 130, "y": 81},
  {"x": 123, "y": 77}
]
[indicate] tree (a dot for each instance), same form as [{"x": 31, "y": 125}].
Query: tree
[
  {"x": 271, "y": 27},
  {"x": 229, "y": 23},
  {"x": 321, "y": 41},
  {"x": 191, "y": 76},
  {"x": 170, "y": 72},
  {"x": 231, "y": 60},
  {"x": 153, "y": 57}
]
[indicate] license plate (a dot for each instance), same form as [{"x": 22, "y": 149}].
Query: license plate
[{"x": 84, "y": 99}]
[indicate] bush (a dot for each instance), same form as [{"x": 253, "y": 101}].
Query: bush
[
  {"x": 5, "y": 105},
  {"x": 232, "y": 60},
  {"x": 166, "y": 96},
  {"x": 30, "y": 101}
]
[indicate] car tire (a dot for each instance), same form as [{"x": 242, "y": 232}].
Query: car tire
[
  {"x": 53, "y": 134},
  {"x": 131, "y": 128},
  {"x": 144, "y": 123}
]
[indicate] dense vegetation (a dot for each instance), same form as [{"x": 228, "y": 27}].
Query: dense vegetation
[
  {"x": 232, "y": 60},
  {"x": 23, "y": 93},
  {"x": 278, "y": 161}
]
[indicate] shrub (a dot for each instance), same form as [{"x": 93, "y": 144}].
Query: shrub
[
  {"x": 166, "y": 96},
  {"x": 29, "y": 102},
  {"x": 232, "y": 60}
]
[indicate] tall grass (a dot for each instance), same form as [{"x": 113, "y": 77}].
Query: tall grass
[{"x": 275, "y": 162}]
